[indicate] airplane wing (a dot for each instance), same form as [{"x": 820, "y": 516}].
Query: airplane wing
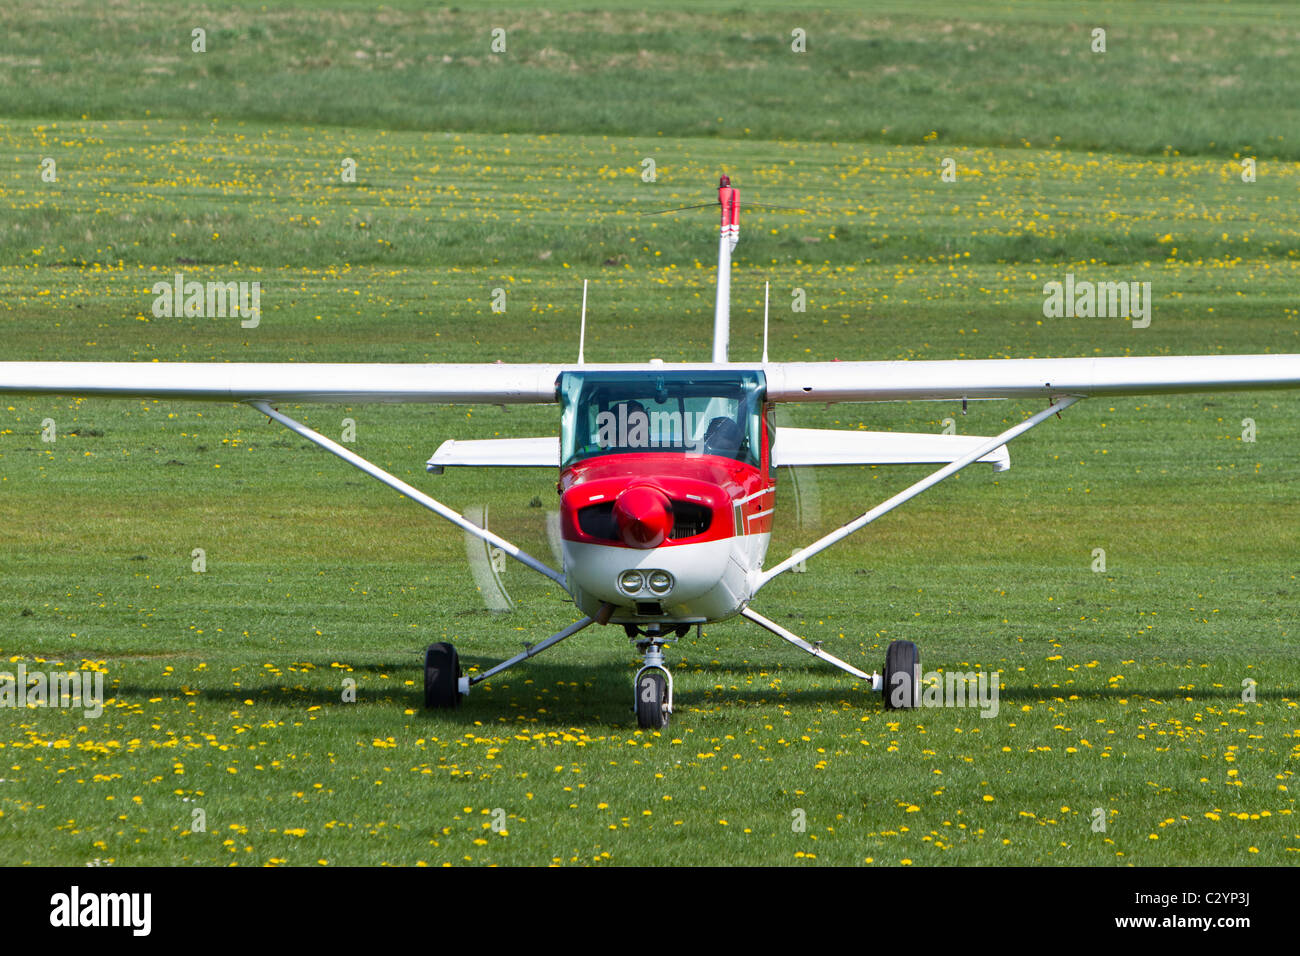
[
  {"x": 832, "y": 446},
  {"x": 501, "y": 383},
  {"x": 261, "y": 385},
  {"x": 1025, "y": 378},
  {"x": 336, "y": 383}
]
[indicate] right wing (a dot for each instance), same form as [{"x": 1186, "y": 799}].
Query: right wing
[{"x": 342, "y": 383}]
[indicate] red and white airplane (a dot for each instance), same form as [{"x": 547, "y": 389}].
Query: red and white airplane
[{"x": 668, "y": 472}]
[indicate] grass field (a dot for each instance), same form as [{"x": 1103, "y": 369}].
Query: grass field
[{"x": 1121, "y": 691}]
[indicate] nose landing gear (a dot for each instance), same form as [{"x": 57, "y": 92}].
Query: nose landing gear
[
  {"x": 653, "y": 685},
  {"x": 654, "y": 688}
]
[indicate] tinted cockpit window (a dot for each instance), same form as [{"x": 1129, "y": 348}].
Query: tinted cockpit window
[{"x": 701, "y": 413}]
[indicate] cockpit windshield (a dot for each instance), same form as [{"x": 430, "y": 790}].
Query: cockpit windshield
[{"x": 701, "y": 413}]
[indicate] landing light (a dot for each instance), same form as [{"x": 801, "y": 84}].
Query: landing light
[
  {"x": 630, "y": 582},
  {"x": 661, "y": 582}
]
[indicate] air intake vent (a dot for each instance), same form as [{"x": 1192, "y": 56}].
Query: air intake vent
[
  {"x": 597, "y": 521},
  {"x": 690, "y": 519}
]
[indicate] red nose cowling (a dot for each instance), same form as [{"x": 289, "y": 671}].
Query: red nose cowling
[{"x": 644, "y": 516}]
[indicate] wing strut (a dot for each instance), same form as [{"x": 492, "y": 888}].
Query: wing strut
[
  {"x": 821, "y": 544},
  {"x": 414, "y": 494}
]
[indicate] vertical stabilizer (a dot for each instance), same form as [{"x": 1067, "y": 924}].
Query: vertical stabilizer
[
  {"x": 729, "y": 200},
  {"x": 582, "y": 329}
]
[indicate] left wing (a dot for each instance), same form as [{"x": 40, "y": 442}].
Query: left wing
[{"x": 1025, "y": 378}]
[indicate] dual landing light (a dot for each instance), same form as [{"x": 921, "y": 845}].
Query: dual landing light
[{"x": 633, "y": 582}]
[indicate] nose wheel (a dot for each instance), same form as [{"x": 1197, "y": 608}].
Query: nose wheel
[{"x": 653, "y": 688}]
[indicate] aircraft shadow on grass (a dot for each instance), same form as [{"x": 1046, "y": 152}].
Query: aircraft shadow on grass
[{"x": 602, "y": 704}]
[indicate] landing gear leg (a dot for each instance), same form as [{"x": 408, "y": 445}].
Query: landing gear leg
[
  {"x": 877, "y": 681},
  {"x": 446, "y": 686},
  {"x": 653, "y": 685}
]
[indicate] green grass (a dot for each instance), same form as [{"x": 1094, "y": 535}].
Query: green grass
[
  {"x": 1203, "y": 77},
  {"x": 1120, "y": 690}
]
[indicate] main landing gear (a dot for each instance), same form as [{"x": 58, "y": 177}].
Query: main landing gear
[
  {"x": 902, "y": 690},
  {"x": 441, "y": 676},
  {"x": 445, "y": 686}
]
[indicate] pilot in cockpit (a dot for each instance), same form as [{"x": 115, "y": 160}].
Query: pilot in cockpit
[{"x": 723, "y": 437}]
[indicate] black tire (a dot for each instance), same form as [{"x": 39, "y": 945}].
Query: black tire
[
  {"x": 651, "y": 695},
  {"x": 441, "y": 676},
  {"x": 902, "y": 690}
]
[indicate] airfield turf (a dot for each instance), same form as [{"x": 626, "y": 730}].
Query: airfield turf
[{"x": 1122, "y": 735}]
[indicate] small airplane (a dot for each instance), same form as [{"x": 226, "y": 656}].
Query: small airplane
[{"x": 667, "y": 472}]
